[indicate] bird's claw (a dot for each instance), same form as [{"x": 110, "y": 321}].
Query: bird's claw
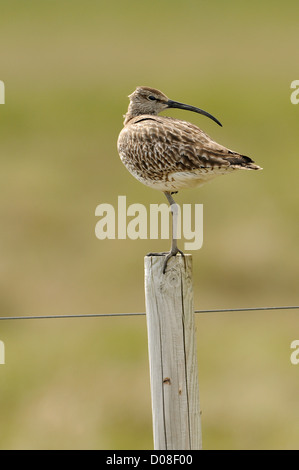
[
  {"x": 162, "y": 253},
  {"x": 169, "y": 254}
]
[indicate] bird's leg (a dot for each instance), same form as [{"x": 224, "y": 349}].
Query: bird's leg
[
  {"x": 174, "y": 212},
  {"x": 174, "y": 219}
]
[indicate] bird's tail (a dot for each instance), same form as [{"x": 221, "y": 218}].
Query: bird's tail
[{"x": 242, "y": 162}]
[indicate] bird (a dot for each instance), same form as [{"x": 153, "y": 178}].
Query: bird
[{"x": 170, "y": 154}]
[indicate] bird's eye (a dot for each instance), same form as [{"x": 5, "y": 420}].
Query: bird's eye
[{"x": 151, "y": 97}]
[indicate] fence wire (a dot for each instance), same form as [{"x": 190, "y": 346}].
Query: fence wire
[{"x": 101, "y": 315}]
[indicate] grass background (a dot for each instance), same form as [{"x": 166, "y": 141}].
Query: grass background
[{"x": 68, "y": 67}]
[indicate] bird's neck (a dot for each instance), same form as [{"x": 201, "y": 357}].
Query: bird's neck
[
  {"x": 128, "y": 116},
  {"x": 134, "y": 111}
]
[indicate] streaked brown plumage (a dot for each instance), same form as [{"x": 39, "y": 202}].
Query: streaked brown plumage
[{"x": 169, "y": 154}]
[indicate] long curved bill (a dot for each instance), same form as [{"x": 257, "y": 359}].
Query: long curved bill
[{"x": 176, "y": 104}]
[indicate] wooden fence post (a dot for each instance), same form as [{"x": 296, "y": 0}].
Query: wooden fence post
[{"x": 172, "y": 353}]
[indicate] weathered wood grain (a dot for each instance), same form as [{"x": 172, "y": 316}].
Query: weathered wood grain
[{"x": 172, "y": 353}]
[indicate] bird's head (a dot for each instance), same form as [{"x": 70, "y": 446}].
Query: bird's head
[{"x": 145, "y": 100}]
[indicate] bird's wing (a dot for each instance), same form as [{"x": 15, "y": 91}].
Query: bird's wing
[{"x": 158, "y": 142}]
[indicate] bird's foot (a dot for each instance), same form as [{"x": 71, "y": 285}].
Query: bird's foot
[
  {"x": 162, "y": 253},
  {"x": 168, "y": 254}
]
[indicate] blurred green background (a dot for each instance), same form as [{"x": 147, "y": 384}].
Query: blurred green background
[{"x": 68, "y": 67}]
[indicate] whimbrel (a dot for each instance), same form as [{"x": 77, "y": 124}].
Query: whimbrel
[{"x": 169, "y": 154}]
